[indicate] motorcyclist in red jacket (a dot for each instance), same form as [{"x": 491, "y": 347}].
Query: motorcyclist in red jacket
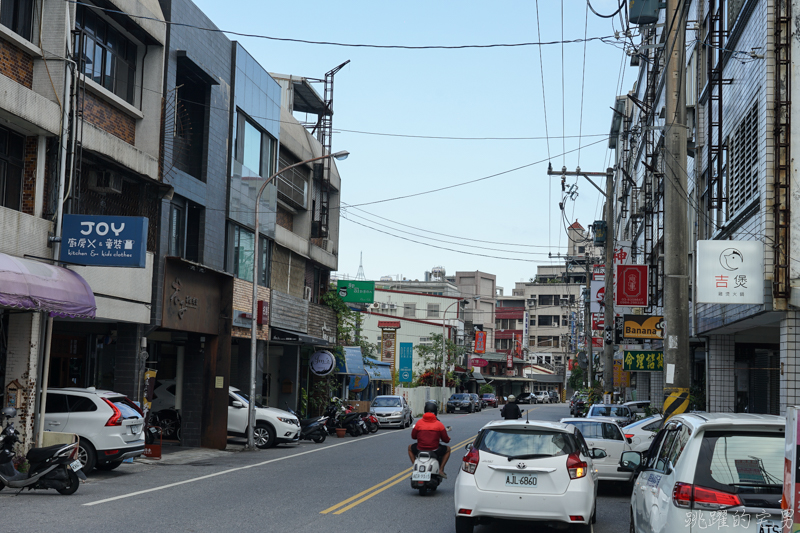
[{"x": 428, "y": 432}]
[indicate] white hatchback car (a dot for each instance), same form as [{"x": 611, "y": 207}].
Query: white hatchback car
[
  {"x": 534, "y": 471},
  {"x": 721, "y": 472},
  {"x": 642, "y": 432},
  {"x": 273, "y": 426},
  {"x": 605, "y": 434},
  {"x": 110, "y": 426}
]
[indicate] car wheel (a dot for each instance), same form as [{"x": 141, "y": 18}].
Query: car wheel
[
  {"x": 87, "y": 456},
  {"x": 169, "y": 427},
  {"x": 109, "y": 466},
  {"x": 264, "y": 436},
  {"x": 72, "y": 484},
  {"x": 464, "y": 524}
]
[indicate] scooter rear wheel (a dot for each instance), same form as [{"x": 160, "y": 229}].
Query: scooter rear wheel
[
  {"x": 320, "y": 438},
  {"x": 423, "y": 490},
  {"x": 72, "y": 485}
]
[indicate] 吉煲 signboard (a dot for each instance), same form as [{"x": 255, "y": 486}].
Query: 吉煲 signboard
[
  {"x": 730, "y": 272},
  {"x": 98, "y": 240}
]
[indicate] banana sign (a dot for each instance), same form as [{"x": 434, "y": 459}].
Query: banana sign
[{"x": 643, "y": 327}]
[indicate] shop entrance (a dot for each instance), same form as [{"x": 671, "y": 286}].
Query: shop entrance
[{"x": 67, "y": 361}]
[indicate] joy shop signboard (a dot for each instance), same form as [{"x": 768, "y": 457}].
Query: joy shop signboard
[
  {"x": 730, "y": 272},
  {"x": 104, "y": 241}
]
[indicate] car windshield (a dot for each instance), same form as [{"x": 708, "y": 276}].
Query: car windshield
[
  {"x": 488, "y": 396},
  {"x": 604, "y": 410},
  {"x": 644, "y": 421},
  {"x": 244, "y": 398},
  {"x": 386, "y": 402},
  {"x": 459, "y": 397},
  {"x": 741, "y": 460},
  {"x": 526, "y": 443}
]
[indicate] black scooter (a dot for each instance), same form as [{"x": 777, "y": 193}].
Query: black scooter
[
  {"x": 52, "y": 467},
  {"x": 312, "y": 428}
]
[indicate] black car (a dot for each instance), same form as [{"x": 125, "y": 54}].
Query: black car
[
  {"x": 526, "y": 397},
  {"x": 461, "y": 401}
]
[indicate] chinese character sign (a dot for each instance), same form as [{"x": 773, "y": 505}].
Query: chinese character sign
[
  {"x": 404, "y": 360},
  {"x": 104, "y": 241},
  {"x": 643, "y": 361},
  {"x": 631, "y": 288},
  {"x": 388, "y": 345},
  {"x": 730, "y": 272},
  {"x": 480, "y": 342}
]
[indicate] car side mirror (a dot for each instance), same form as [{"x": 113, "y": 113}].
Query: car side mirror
[
  {"x": 237, "y": 404},
  {"x": 597, "y": 453},
  {"x": 630, "y": 462},
  {"x": 468, "y": 446}
]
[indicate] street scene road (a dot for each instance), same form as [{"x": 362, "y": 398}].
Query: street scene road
[{"x": 348, "y": 484}]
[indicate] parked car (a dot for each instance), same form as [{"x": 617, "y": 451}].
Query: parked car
[
  {"x": 542, "y": 397},
  {"x": 501, "y": 477},
  {"x": 273, "y": 426},
  {"x": 490, "y": 399},
  {"x": 110, "y": 426},
  {"x": 621, "y": 413},
  {"x": 638, "y": 407},
  {"x": 477, "y": 400},
  {"x": 554, "y": 397},
  {"x": 526, "y": 397},
  {"x": 461, "y": 401},
  {"x": 392, "y": 411},
  {"x": 704, "y": 465},
  {"x": 642, "y": 432},
  {"x": 606, "y": 435}
]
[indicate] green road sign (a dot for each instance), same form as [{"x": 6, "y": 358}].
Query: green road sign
[
  {"x": 362, "y": 292},
  {"x": 643, "y": 361}
]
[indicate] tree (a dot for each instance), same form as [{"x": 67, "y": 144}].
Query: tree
[
  {"x": 431, "y": 357},
  {"x": 576, "y": 379}
]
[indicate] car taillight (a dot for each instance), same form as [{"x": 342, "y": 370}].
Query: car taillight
[
  {"x": 470, "y": 461},
  {"x": 575, "y": 467},
  {"x": 116, "y": 418},
  {"x": 628, "y": 435},
  {"x": 686, "y": 496}
]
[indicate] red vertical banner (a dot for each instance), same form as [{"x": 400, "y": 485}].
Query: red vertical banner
[
  {"x": 480, "y": 342},
  {"x": 510, "y": 360}
]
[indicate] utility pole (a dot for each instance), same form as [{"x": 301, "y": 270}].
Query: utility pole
[
  {"x": 677, "y": 368},
  {"x": 587, "y": 322},
  {"x": 608, "y": 353}
]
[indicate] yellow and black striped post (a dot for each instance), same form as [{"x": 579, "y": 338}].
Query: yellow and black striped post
[{"x": 676, "y": 401}]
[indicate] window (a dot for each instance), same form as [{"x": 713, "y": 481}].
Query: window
[
  {"x": 409, "y": 310},
  {"x": 56, "y": 403},
  {"x": 433, "y": 311},
  {"x": 16, "y": 15},
  {"x": 242, "y": 264},
  {"x": 547, "y": 299},
  {"x": 191, "y": 123},
  {"x": 80, "y": 404},
  {"x": 589, "y": 430},
  {"x": 548, "y": 320},
  {"x": 548, "y": 341},
  {"x": 292, "y": 184},
  {"x": 611, "y": 432},
  {"x": 255, "y": 150},
  {"x": 581, "y": 249},
  {"x": 743, "y": 172},
  {"x": 108, "y": 57},
  {"x": 175, "y": 231},
  {"x": 521, "y": 442},
  {"x": 533, "y": 321},
  {"x": 11, "y": 155}
]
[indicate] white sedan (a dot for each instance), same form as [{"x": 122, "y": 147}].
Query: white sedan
[
  {"x": 605, "y": 434},
  {"x": 535, "y": 471},
  {"x": 642, "y": 432}
]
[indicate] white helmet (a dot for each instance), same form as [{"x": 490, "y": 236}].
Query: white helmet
[{"x": 511, "y": 398}]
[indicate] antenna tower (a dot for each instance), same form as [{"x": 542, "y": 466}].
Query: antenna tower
[{"x": 360, "y": 276}]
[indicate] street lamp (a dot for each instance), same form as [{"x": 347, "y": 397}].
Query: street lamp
[{"x": 251, "y": 407}]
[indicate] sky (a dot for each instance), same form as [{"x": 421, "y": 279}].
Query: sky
[{"x": 505, "y": 224}]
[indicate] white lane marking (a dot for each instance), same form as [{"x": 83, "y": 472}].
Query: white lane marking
[{"x": 208, "y": 476}]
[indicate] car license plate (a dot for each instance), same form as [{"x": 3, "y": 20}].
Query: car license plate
[
  {"x": 135, "y": 429},
  {"x": 515, "y": 480},
  {"x": 381, "y": 419},
  {"x": 768, "y": 526},
  {"x": 421, "y": 476},
  {"x": 75, "y": 465}
]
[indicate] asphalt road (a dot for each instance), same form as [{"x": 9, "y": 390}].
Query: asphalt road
[{"x": 348, "y": 484}]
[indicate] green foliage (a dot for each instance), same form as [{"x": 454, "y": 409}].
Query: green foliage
[
  {"x": 577, "y": 378},
  {"x": 697, "y": 397},
  {"x": 487, "y": 389},
  {"x": 303, "y": 401},
  {"x": 431, "y": 356}
]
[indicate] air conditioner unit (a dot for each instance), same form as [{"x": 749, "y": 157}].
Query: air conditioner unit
[
  {"x": 494, "y": 370},
  {"x": 375, "y": 305},
  {"x": 531, "y": 302},
  {"x": 392, "y": 306},
  {"x": 384, "y": 306},
  {"x": 105, "y": 181},
  {"x": 307, "y": 294}
]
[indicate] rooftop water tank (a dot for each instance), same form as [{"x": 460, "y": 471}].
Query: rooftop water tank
[{"x": 643, "y": 11}]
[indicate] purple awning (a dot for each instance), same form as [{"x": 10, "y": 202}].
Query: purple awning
[{"x": 26, "y": 284}]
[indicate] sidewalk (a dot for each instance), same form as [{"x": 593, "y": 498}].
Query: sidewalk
[{"x": 174, "y": 454}]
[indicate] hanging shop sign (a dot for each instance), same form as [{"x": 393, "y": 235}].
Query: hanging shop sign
[
  {"x": 510, "y": 360},
  {"x": 479, "y": 363},
  {"x": 321, "y": 363},
  {"x": 599, "y": 273},
  {"x": 643, "y": 327},
  {"x": 480, "y": 342},
  {"x": 405, "y": 360},
  {"x": 356, "y": 291},
  {"x": 643, "y": 361},
  {"x": 631, "y": 288},
  {"x": 525, "y": 324},
  {"x": 730, "y": 272},
  {"x": 388, "y": 340},
  {"x": 104, "y": 241},
  {"x": 597, "y": 302},
  {"x": 598, "y": 321},
  {"x": 621, "y": 378},
  {"x": 359, "y": 383},
  {"x": 597, "y": 342}
]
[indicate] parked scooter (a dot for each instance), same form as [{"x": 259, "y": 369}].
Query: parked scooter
[
  {"x": 425, "y": 475},
  {"x": 338, "y": 417},
  {"x": 311, "y": 428},
  {"x": 53, "y": 467}
]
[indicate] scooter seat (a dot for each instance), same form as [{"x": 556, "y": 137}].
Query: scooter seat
[{"x": 37, "y": 455}]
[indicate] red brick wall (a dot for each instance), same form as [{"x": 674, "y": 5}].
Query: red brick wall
[
  {"x": 285, "y": 219},
  {"x": 16, "y": 64},
  {"x": 109, "y": 119},
  {"x": 29, "y": 176}
]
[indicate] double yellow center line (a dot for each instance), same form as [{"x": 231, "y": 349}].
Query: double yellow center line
[{"x": 365, "y": 495}]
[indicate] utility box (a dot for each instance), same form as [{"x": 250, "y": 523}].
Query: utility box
[
  {"x": 643, "y": 11},
  {"x": 600, "y": 229}
]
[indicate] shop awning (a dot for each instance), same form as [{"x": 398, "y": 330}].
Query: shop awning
[
  {"x": 35, "y": 286},
  {"x": 378, "y": 371},
  {"x": 353, "y": 363},
  {"x": 547, "y": 378},
  {"x": 478, "y": 377},
  {"x": 287, "y": 335}
]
